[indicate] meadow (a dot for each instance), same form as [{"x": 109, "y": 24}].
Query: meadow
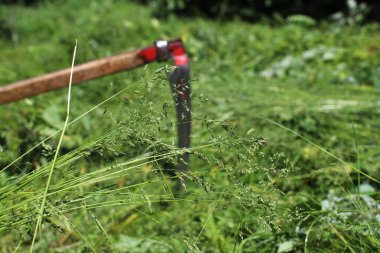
[{"x": 285, "y": 135}]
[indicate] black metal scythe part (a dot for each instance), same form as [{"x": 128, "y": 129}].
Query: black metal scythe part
[
  {"x": 180, "y": 85},
  {"x": 179, "y": 81}
]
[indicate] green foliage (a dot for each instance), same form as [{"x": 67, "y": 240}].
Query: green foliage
[
  {"x": 350, "y": 11},
  {"x": 114, "y": 183}
]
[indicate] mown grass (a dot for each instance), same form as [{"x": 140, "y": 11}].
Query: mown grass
[{"x": 244, "y": 193}]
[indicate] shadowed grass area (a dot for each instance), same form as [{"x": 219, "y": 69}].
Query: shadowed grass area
[{"x": 254, "y": 186}]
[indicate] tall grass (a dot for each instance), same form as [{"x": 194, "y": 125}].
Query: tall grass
[
  {"x": 128, "y": 149},
  {"x": 42, "y": 208},
  {"x": 305, "y": 187},
  {"x": 232, "y": 171}
]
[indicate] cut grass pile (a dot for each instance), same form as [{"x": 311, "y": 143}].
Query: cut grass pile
[{"x": 276, "y": 111}]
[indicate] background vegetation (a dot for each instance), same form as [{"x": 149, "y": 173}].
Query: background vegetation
[{"x": 285, "y": 134}]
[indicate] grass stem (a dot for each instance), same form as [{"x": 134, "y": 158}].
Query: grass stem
[{"x": 42, "y": 207}]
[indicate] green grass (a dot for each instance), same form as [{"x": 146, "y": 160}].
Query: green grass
[{"x": 276, "y": 111}]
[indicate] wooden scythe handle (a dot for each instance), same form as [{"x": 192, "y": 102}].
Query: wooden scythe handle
[{"x": 59, "y": 79}]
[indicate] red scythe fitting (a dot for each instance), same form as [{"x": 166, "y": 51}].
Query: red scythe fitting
[{"x": 164, "y": 50}]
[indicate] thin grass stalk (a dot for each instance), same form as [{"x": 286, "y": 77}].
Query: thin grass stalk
[{"x": 42, "y": 207}]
